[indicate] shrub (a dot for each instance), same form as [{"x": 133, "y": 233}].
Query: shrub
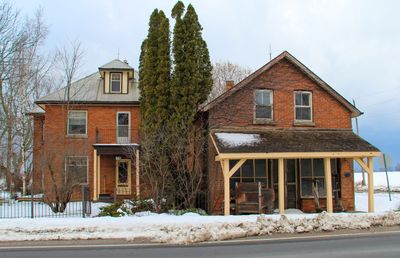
[{"x": 117, "y": 209}]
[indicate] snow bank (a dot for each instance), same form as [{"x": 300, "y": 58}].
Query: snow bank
[
  {"x": 238, "y": 139},
  {"x": 380, "y": 183},
  {"x": 188, "y": 229}
]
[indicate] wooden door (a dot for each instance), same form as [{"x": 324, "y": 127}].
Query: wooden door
[{"x": 123, "y": 177}]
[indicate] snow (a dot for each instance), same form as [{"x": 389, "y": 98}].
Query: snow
[
  {"x": 163, "y": 228},
  {"x": 238, "y": 139},
  {"x": 381, "y": 201},
  {"x": 380, "y": 183}
]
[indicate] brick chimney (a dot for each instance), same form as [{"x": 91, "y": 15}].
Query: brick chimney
[{"x": 229, "y": 85}]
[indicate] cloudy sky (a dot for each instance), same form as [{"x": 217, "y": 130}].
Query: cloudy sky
[{"x": 353, "y": 45}]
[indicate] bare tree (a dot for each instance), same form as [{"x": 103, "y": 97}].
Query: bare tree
[
  {"x": 19, "y": 64},
  {"x": 226, "y": 71}
]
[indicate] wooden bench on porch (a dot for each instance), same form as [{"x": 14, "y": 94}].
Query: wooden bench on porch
[{"x": 253, "y": 198}]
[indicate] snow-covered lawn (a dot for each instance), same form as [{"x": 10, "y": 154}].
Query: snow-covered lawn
[
  {"x": 186, "y": 229},
  {"x": 380, "y": 183},
  {"x": 381, "y": 201}
]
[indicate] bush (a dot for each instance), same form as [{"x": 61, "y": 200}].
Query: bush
[
  {"x": 190, "y": 210},
  {"x": 117, "y": 209}
]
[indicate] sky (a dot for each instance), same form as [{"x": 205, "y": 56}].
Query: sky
[{"x": 351, "y": 45}]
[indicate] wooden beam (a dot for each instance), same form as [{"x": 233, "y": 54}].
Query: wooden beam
[
  {"x": 227, "y": 197},
  {"x": 295, "y": 155},
  {"x": 98, "y": 175},
  {"x": 236, "y": 167},
  {"x": 95, "y": 196},
  {"x": 281, "y": 186},
  {"x": 328, "y": 185},
  {"x": 362, "y": 164},
  {"x": 370, "y": 185},
  {"x": 137, "y": 175},
  {"x": 214, "y": 143}
]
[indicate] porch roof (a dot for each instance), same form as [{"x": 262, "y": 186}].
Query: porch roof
[
  {"x": 115, "y": 148},
  {"x": 299, "y": 143}
]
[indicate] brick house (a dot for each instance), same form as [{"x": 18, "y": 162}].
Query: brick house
[
  {"x": 92, "y": 136},
  {"x": 286, "y": 128},
  {"x": 281, "y": 126}
]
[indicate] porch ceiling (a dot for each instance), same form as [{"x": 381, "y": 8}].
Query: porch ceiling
[
  {"x": 290, "y": 143},
  {"x": 115, "y": 149}
]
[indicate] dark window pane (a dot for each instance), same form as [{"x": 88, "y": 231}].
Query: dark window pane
[
  {"x": 318, "y": 167},
  {"x": 248, "y": 180},
  {"x": 306, "y": 187},
  {"x": 291, "y": 170},
  {"x": 123, "y": 119},
  {"x": 321, "y": 187},
  {"x": 247, "y": 169},
  {"x": 303, "y": 113},
  {"x": 261, "y": 168},
  {"x": 77, "y": 122},
  {"x": 263, "y": 112},
  {"x": 305, "y": 166},
  {"x": 274, "y": 168},
  {"x": 232, "y": 163},
  {"x": 115, "y": 86},
  {"x": 123, "y": 173},
  {"x": 266, "y": 98},
  {"x": 305, "y": 99},
  {"x": 76, "y": 170}
]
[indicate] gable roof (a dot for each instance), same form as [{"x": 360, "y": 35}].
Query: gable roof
[
  {"x": 90, "y": 90},
  {"x": 284, "y": 55},
  {"x": 116, "y": 64}
]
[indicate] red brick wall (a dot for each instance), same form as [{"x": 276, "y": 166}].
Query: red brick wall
[
  {"x": 38, "y": 122},
  {"x": 237, "y": 111},
  {"x": 283, "y": 79},
  {"x": 57, "y": 144}
]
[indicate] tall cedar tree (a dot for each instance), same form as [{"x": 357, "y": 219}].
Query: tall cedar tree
[
  {"x": 192, "y": 78},
  {"x": 155, "y": 72}
]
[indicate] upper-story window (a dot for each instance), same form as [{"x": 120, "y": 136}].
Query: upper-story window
[
  {"x": 77, "y": 122},
  {"x": 263, "y": 105},
  {"x": 303, "y": 106},
  {"x": 115, "y": 82}
]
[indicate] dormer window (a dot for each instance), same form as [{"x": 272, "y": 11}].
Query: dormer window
[{"x": 115, "y": 82}]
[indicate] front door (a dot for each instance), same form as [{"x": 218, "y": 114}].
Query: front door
[
  {"x": 123, "y": 177},
  {"x": 123, "y": 128}
]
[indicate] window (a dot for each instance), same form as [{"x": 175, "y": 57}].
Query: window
[
  {"x": 263, "y": 104},
  {"x": 312, "y": 178},
  {"x": 77, "y": 121},
  {"x": 115, "y": 82},
  {"x": 303, "y": 106},
  {"x": 251, "y": 171},
  {"x": 76, "y": 170}
]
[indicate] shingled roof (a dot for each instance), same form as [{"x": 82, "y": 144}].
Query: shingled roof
[
  {"x": 116, "y": 64},
  {"x": 290, "y": 140},
  {"x": 284, "y": 55}
]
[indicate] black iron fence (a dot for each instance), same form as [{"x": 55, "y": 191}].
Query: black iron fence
[{"x": 15, "y": 205}]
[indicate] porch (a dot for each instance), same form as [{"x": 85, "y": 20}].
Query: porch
[
  {"x": 116, "y": 171},
  {"x": 294, "y": 160}
]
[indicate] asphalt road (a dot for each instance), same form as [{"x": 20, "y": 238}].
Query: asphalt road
[{"x": 372, "y": 245}]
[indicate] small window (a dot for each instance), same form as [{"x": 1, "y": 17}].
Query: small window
[
  {"x": 263, "y": 104},
  {"x": 77, "y": 122},
  {"x": 303, "y": 106},
  {"x": 76, "y": 170},
  {"x": 115, "y": 82}
]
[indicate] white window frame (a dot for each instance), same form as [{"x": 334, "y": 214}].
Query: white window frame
[
  {"x": 86, "y": 125},
  {"x": 66, "y": 166},
  {"x": 129, "y": 124},
  {"x": 310, "y": 106},
  {"x": 271, "y": 99},
  {"x": 120, "y": 82}
]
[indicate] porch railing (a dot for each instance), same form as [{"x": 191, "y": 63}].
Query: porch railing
[{"x": 119, "y": 135}]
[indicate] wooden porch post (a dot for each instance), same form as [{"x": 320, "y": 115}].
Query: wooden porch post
[
  {"x": 370, "y": 185},
  {"x": 227, "y": 194},
  {"x": 95, "y": 196},
  {"x": 328, "y": 185},
  {"x": 137, "y": 175},
  {"x": 281, "y": 186},
  {"x": 98, "y": 175}
]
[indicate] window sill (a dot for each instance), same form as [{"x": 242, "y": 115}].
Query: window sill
[
  {"x": 79, "y": 136},
  {"x": 263, "y": 121},
  {"x": 303, "y": 123}
]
